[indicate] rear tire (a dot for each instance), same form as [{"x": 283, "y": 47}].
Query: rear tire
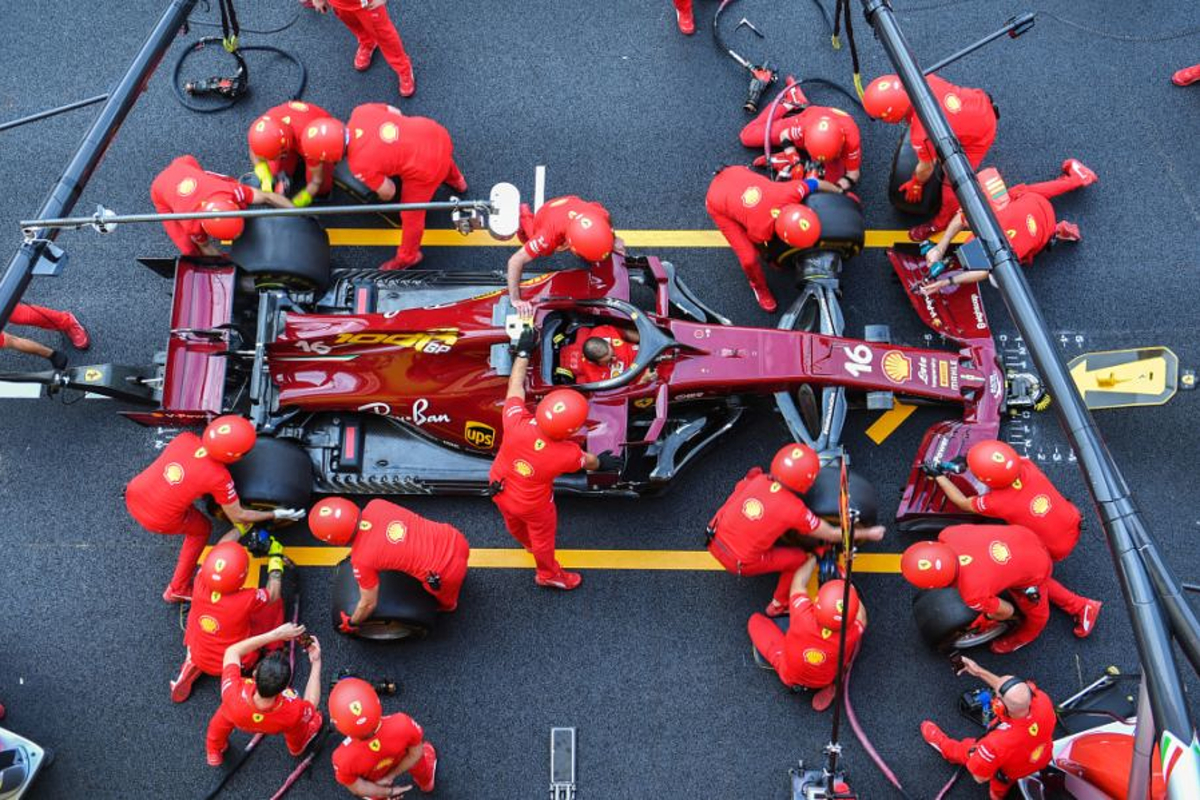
[
  {"x": 288, "y": 252},
  {"x": 945, "y": 621},
  {"x": 903, "y": 164},
  {"x": 405, "y": 610},
  {"x": 277, "y": 473}
]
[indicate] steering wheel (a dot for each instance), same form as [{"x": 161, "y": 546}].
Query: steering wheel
[{"x": 652, "y": 343}]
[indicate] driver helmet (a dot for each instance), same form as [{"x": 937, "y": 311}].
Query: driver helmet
[
  {"x": 994, "y": 463},
  {"x": 929, "y": 565},
  {"x": 886, "y": 99},
  {"x": 334, "y": 520},
  {"x": 228, "y": 438},
  {"x": 796, "y": 466},
  {"x": 561, "y": 413}
]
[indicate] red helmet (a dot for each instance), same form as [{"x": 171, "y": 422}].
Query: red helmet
[
  {"x": 323, "y": 140},
  {"x": 886, "y": 99},
  {"x": 799, "y": 226},
  {"x": 334, "y": 520},
  {"x": 828, "y": 604},
  {"x": 796, "y": 466},
  {"x": 823, "y": 138},
  {"x": 561, "y": 413},
  {"x": 269, "y": 138},
  {"x": 929, "y": 565},
  {"x": 590, "y": 238},
  {"x": 226, "y": 228},
  {"x": 226, "y": 567},
  {"x": 994, "y": 463},
  {"x": 228, "y": 438},
  {"x": 355, "y": 708}
]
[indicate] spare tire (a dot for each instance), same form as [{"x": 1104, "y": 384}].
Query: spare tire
[
  {"x": 277, "y": 473},
  {"x": 823, "y": 497},
  {"x": 405, "y": 610},
  {"x": 903, "y": 164},
  {"x": 292, "y": 252},
  {"x": 945, "y": 621},
  {"x": 344, "y": 179}
]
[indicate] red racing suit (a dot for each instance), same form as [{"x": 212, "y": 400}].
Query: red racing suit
[
  {"x": 972, "y": 117},
  {"x": 385, "y": 143},
  {"x": 217, "y": 621},
  {"x": 372, "y": 27},
  {"x": 750, "y": 522},
  {"x": 545, "y": 232},
  {"x": 297, "y": 116},
  {"x": 1034, "y": 503},
  {"x": 372, "y": 759},
  {"x": 184, "y": 187},
  {"x": 807, "y": 654},
  {"x": 744, "y": 205},
  {"x": 392, "y": 538},
  {"x": 293, "y": 716},
  {"x": 754, "y": 135},
  {"x": 1011, "y": 749},
  {"x": 161, "y": 499},
  {"x": 571, "y": 357},
  {"x": 993, "y": 559},
  {"x": 48, "y": 319},
  {"x": 528, "y": 462},
  {"x": 1028, "y": 219}
]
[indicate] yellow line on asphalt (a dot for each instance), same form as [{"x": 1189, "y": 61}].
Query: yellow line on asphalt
[
  {"x": 446, "y": 237},
  {"x": 514, "y": 558},
  {"x": 889, "y": 421}
]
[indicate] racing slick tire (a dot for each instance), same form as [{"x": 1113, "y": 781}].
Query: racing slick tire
[
  {"x": 903, "y": 164},
  {"x": 843, "y": 227},
  {"x": 405, "y": 610},
  {"x": 945, "y": 621},
  {"x": 277, "y": 473},
  {"x": 823, "y": 497},
  {"x": 292, "y": 252}
]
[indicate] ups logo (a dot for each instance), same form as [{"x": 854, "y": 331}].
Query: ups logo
[{"x": 479, "y": 435}]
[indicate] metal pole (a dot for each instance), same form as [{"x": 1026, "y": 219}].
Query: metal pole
[
  {"x": 1119, "y": 515},
  {"x": 50, "y": 112},
  {"x": 87, "y": 157},
  {"x": 1143, "y": 744},
  {"x": 1014, "y": 28}
]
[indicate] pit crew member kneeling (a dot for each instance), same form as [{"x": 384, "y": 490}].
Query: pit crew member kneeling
[
  {"x": 1020, "y": 736},
  {"x": 535, "y": 450},
  {"x": 223, "y": 613},
  {"x": 984, "y": 562},
  {"x": 1025, "y": 215},
  {"x": 388, "y": 537},
  {"x": 744, "y": 533},
  {"x": 806, "y": 655},
  {"x": 264, "y": 703},
  {"x": 1020, "y": 494},
  {"x": 377, "y": 749}
]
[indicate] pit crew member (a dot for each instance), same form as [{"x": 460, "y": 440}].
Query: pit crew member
[
  {"x": 744, "y": 533},
  {"x": 750, "y": 210},
  {"x": 377, "y": 749},
  {"x": 972, "y": 116},
  {"x": 806, "y": 655},
  {"x": 1025, "y": 215},
  {"x": 1020, "y": 736},
  {"x": 264, "y": 703},
  {"x": 224, "y": 613},
  {"x": 184, "y": 187},
  {"x": 535, "y": 450},
  {"x": 983, "y": 562},
  {"x": 684, "y": 17},
  {"x": 1020, "y": 494},
  {"x": 379, "y": 144},
  {"x": 598, "y": 354},
  {"x": 161, "y": 498},
  {"x": 274, "y": 150},
  {"x": 368, "y": 20},
  {"x": 47, "y": 319},
  {"x": 388, "y": 537},
  {"x": 564, "y": 223},
  {"x": 828, "y": 137}
]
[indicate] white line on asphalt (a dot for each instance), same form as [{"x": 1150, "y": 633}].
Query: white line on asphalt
[
  {"x": 25, "y": 391},
  {"x": 539, "y": 187}
]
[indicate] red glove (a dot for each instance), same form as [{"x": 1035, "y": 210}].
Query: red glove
[
  {"x": 347, "y": 626},
  {"x": 912, "y": 190}
]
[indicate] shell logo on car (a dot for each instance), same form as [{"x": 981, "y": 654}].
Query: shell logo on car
[
  {"x": 752, "y": 509},
  {"x": 173, "y": 473},
  {"x": 396, "y": 531},
  {"x": 897, "y": 366},
  {"x": 999, "y": 552}
]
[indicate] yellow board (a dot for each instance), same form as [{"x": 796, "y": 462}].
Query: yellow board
[
  {"x": 889, "y": 421},
  {"x": 1144, "y": 376}
]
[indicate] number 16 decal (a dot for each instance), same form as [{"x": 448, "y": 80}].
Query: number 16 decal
[{"x": 858, "y": 359}]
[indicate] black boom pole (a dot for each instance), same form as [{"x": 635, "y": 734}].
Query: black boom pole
[
  {"x": 1139, "y": 567},
  {"x": 91, "y": 150}
]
